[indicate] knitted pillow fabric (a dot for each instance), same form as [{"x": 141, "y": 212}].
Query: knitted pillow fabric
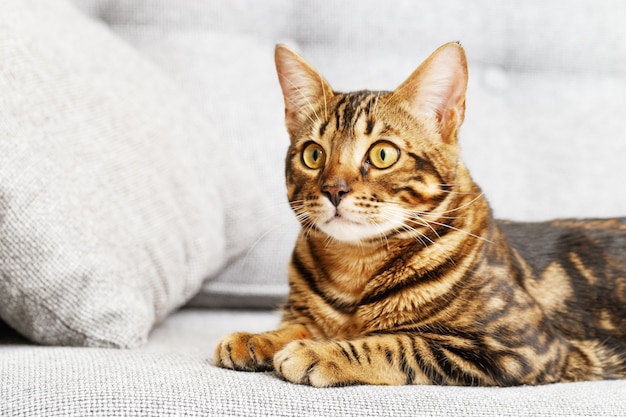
[{"x": 111, "y": 185}]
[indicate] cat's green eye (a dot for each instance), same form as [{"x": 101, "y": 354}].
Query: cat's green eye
[
  {"x": 313, "y": 156},
  {"x": 383, "y": 155}
]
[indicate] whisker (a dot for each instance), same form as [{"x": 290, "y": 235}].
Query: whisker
[
  {"x": 420, "y": 218},
  {"x": 422, "y": 213},
  {"x": 273, "y": 228},
  {"x": 381, "y": 233},
  {"x": 459, "y": 230},
  {"x": 423, "y": 222},
  {"x": 435, "y": 243},
  {"x": 458, "y": 192},
  {"x": 435, "y": 212},
  {"x": 414, "y": 233}
]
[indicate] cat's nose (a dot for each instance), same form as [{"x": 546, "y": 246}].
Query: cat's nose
[{"x": 335, "y": 191}]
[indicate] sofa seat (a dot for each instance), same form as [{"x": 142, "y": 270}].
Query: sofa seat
[{"x": 172, "y": 375}]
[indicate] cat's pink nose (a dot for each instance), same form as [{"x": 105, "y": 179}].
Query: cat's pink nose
[{"x": 335, "y": 191}]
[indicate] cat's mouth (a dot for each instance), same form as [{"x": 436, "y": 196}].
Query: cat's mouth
[
  {"x": 344, "y": 227},
  {"x": 339, "y": 218},
  {"x": 347, "y": 224}
]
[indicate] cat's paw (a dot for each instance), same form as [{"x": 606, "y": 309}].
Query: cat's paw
[
  {"x": 245, "y": 352},
  {"x": 311, "y": 363}
]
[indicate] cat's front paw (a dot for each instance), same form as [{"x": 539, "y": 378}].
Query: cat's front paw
[
  {"x": 245, "y": 352},
  {"x": 311, "y": 363}
]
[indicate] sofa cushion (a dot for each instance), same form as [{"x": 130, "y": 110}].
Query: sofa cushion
[
  {"x": 112, "y": 208},
  {"x": 223, "y": 59}
]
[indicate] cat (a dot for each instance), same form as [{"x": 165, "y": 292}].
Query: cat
[{"x": 400, "y": 274}]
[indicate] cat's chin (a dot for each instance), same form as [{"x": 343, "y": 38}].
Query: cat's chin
[{"x": 348, "y": 231}]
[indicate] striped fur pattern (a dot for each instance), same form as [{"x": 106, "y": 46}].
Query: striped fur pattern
[{"x": 400, "y": 275}]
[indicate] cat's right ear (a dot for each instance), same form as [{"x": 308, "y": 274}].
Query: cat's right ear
[{"x": 304, "y": 89}]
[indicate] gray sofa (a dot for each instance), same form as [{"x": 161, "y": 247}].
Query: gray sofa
[{"x": 142, "y": 208}]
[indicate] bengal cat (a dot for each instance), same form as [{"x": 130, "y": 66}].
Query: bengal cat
[{"x": 400, "y": 274}]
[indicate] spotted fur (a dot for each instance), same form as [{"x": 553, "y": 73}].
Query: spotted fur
[{"x": 401, "y": 275}]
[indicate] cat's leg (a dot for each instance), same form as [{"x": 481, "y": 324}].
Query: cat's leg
[
  {"x": 369, "y": 360},
  {"x": 406, "y": 358},
  {"x": 395, "y": 359},
  {"x": 255, "y": 352}
]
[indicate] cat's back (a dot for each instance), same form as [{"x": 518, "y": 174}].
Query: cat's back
[
  {"x": 578, "y": 273},
  {"x": 594, "y": 241}
]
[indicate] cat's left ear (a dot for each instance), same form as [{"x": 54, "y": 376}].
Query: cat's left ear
[
  {"x": 436, "y": 89},
  {"x": 304, "y": 89}
]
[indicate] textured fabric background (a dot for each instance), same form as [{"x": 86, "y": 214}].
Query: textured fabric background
[
  {"x": 111, "y": 185},
  {"x": 169, "y": 376}
]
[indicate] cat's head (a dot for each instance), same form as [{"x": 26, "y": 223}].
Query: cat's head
[{"x": 367, "y": 165}]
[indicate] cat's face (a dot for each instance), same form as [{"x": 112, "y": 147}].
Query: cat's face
[{"x": 372, "y": 166}]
